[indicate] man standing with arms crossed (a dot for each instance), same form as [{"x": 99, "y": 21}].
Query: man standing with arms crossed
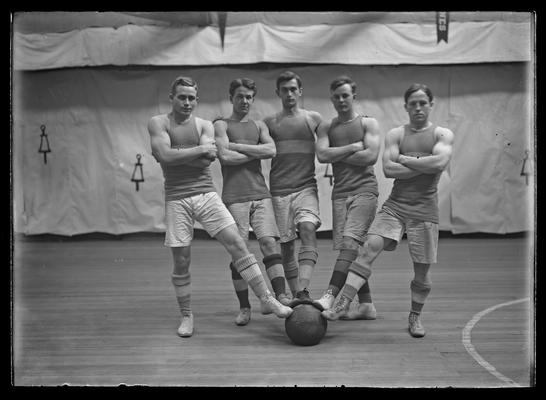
[
  {"x": 293, "y": 185},
  {"x": 351, "y": 142},
  {"x": 242, "y": 144},
  {"x": 415, "y": 155},
  {"x": 184, "y": 146}
]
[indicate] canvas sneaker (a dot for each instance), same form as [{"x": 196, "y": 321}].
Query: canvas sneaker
[
  {"x": 271, "y": 305},
  {"x": 361, "y": 311},
  {"x": 244, "y": 316},
  {"x": 186, "y": 326},
  {"x": 338, "y": 310},
  {"x": 414, "y": 326}
]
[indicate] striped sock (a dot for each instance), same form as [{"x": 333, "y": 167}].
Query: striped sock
[
  {"x": 248, "y": 268},
  {"x": 182, "y": 288},
  {"x": 341, "y": 268},
  {"x": 240, "y": 286},
  {"x": 275, "y": 272},
  {"x": 352, "y": 284},
  {"x": 419, "y": 293},
  {"x": 364, "y": 294},
  {"x": 290, "y": 267},
  {"x": 307, "y": 258}
]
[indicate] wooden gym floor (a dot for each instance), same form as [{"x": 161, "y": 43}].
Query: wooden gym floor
[{"x": 103, "y": 313}]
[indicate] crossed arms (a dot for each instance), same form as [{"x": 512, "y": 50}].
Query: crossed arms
[
  {"x": 230, "y": 153},
  {"x": 400, "y": 166},
  {"x": 198, "y": 156},
  {"x": 362, "y": 153}
]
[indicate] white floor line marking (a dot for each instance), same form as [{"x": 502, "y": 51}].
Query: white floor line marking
[{"x": 472, "y": 351}]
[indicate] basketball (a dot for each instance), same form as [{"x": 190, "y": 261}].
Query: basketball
[{"x": 306, "y": 326}]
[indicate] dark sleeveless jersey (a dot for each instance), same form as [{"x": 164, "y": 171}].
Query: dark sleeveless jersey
[
  {"x": 350, "y": 179},
  {"x": 243, "y": 182},
  {"x": 416, "y": 197},
  {"x": 184, "y": 180},
  {"x": 293, "y": 168}
]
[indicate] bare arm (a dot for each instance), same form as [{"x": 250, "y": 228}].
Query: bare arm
[
  {"x": 316, "y": 120},
  {"x": 265, "y": 149},
  {"x": 327, "y": 154},
  {"x": 391, "y": 167},
  {"x": 441, "y": 154},
  {"x": 206, "y": 138},
  {"x": 226, "y": 155},
  {"x": 372, "y": 144},
  {"x": 165, "y": 154}
]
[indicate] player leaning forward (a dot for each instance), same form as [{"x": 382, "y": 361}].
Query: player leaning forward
[
  {"x": 415, "y": 155},
  {"x": 184, "y": 146}
]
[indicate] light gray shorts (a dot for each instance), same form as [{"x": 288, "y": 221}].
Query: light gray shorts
[
  {"x": 257, "y": 214},
  {"x": 422, "y": 235},
  {"x": 294, "y": 208},
  {"x": 180, "y": 216},
  {"x": 352, "y": 217}
]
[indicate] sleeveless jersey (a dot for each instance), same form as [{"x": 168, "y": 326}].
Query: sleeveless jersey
[
  {"x": 416, "y": 197},
  {"x": 184, "y": 180},
  {"x": 293, "y": 168},
  {"x": 243, "y": 182},
  {"x": 350, "y": 179}
]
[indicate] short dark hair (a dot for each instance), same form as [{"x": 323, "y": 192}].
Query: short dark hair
[
  {"x": 414, "y": 88},
  {"x": 288, "y": 76},
  {"x": 245, "y": 82},
  {"x": 342, "y": 80},
  {"x": 183, "y": 81}
]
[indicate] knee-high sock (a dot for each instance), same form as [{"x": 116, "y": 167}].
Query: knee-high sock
[
  {"x": 419, "y": 293},
  {"x": 307, "y": 258},
  {"x": 290, "y": 267},
  {"x": 240, "y": 286},
  {"x": 248, "y": 268},
  {"x": 341, "y": 268},
  {"x": 275, "y": 272},
  {"x": 356, "y": 278},
  {"x": 364, "y": 293},
  {"x": 182, "y": 289}
]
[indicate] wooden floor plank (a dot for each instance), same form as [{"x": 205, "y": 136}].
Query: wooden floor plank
[{"x": 102, "y": 312}]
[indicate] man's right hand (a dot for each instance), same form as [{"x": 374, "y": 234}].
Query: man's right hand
[
  {"x": 210, "y": 150},
  {"x": 358, "y": 146}
]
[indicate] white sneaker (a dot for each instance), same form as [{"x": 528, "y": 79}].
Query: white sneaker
[
  {"x": 186, "y": 326},
  {"x": 244, "y": 317},
  {"x": 361, "y": 311},
  {"x": 327, "y": 299},
  {"x": 414, "y": 326},
  {"x": 339, "y": 310},
  {"x": 271, "y": 305}
]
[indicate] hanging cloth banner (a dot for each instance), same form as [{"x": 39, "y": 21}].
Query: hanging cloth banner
[
  {"x": 222, "y": 20},
  {"x": 442, "y": 25}
]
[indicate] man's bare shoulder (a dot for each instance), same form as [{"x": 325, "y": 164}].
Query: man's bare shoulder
[
  {"x": 260, "y": 124},
  {"x": 269, "y": 119},
  {"x": 315, "y": 115},
  {"x": 443, "y": 132},
  {"x": 326, "y": 124},
  {"x": 203, "y": 123},
  {"x": 160, "y": 118},
  {"x": 395, "y": 133},
  {"x": 369, "y": 122},
  {"x": 159, "y": 122},
  {"x": 220, "y": 123}
]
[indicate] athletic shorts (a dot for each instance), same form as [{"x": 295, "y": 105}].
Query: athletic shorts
[
  {"x": 180, "y": 216},
  {"x": 293, "y": 209},
  {"x": 257, "y": 214},
  {"x": 352, "y": 217},
  {"x": 422, "y": 235}
]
